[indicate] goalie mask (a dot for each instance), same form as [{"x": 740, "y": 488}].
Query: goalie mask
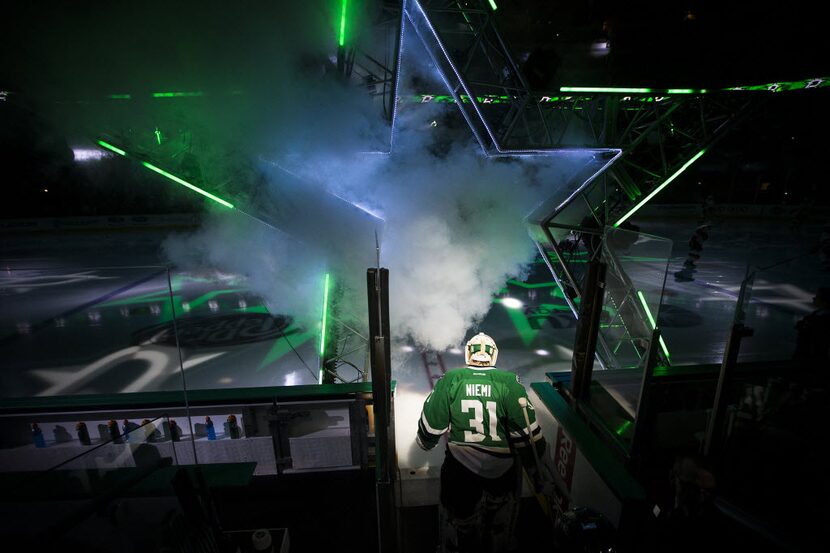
[{"x": 481, "y": 351}]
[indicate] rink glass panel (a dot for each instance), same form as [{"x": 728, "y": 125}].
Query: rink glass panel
[
  {"x": 279, "y": 429},
  {"x": 636, "y": 271},
  {"x": 229, "y": 338},
  {"x": 72, "y": 331}
]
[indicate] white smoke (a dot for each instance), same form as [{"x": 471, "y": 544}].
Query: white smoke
[
  {"x": 453, "y": 230},
  {"x": 266, "y": 99},
  {"x": 275, "y": 266}
]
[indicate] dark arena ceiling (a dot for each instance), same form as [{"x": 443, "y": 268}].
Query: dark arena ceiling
[{"x": 54, "y": 56}]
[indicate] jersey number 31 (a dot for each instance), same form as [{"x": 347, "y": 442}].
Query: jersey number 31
[{"x": 477, "y": 422}]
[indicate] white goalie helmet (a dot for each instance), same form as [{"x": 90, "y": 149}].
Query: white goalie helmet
[{"x": 481, "y": 351}]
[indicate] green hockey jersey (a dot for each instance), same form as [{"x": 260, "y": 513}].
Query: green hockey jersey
[{"x": 479, "y": 408}]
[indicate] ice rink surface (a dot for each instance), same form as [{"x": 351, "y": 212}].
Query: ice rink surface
[{"x": 76, "y": 320}]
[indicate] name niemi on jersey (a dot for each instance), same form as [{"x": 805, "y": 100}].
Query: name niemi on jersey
[{"x": 480, "y": 390}]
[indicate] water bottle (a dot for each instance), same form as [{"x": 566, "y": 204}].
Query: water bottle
[
  {"x": 211, "y": 432},
  {"x": 37, "y": 435},
  {"x": 175, "y": 431},
  {"x": 83, "y": 433},
  {"x": 233, "y": 427},
  {"x": 115, "y": 434}
]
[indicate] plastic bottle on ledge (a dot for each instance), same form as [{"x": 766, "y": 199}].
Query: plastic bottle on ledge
[
  {"x": 211, "y": 432},
  {"x": 129, "y": 431},
  {"x": 115, "y": 433},
  {"x": 37, "y": 436},
  {"x": 83, "y": 433},
  {"x": 175, "y": 431},
  {"x": 232, "y": 427},
  {"x": 151, "y": 433}
]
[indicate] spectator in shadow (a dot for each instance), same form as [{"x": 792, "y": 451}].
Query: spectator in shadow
[
  {"x": 541, "y": 66},
  {"x": 792, "y": 398},
  {"x": 797, "y": 402},
  {"x": 146, "y": 455},
  {"x": 62, "y": 434},
  {"x": 584, "y": 530},
  {"x": 694, "y": 523},
  {"x": 812, "y": 349}
]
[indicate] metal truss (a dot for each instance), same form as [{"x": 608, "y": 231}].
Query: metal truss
[
  {"x": 627, "y": 332},
  {"x": 371, "y": 60},
  {"x": 658, "y": 139},
  {"x": 346, "y": 353},
  {"x": 485, "y": 82}
]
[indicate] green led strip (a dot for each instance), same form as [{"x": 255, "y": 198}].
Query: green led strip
[
  {"x": 657, "y": 190},
  {"x": 324, "y": 324},
  {"x": 651, "y": 320},
  {"x": 659, "y": 94},
  {"x": 493, "y": 5},
  {"x": 176, "y": 94},
  {"x": 623, "y": 427},
  {"x": 176, "y": 179},
  {"x": 605, "y": 89},
  {"x": 342, "y": 40}
]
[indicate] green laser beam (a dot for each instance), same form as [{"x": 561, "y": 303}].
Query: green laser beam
[
  {"x": 664, "y": 347},
  {"x": 176, "y": 179},
  {"x": 170, "y": 176},
  {"x": 651, "y": 320},
  {"x": 342, "y": 40},
  {"x": 645, "y": 306},
  {"x": 657, "y": 190},
  {"x": 325, "y": 317},
  {"x": 623, "y": 427},
  {"x": 112, "y": 148}
]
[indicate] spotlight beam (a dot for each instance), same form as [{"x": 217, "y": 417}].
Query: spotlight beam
[
  {"x": 657, "y": 190},
  {"x": 167, "y": 175},
  {"x": 112, "y": 148},
  {"x": 653, "y": 322},
  {"x": 324, "y": 322},
  {"x": 342, "y": 40},
  {"x": 183, "y": 182}
]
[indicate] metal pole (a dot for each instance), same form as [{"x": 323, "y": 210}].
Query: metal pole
[
  {"x": 587, "y": 331},
  {"x": 181, "y": 371},
  {"x": 714, "y": 430},
  {"x": 642, "y": 420},
  {"x": 377, "y": 283}
]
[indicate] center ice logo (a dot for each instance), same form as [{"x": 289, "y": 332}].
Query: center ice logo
[{"x": 215, "y": 331}]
